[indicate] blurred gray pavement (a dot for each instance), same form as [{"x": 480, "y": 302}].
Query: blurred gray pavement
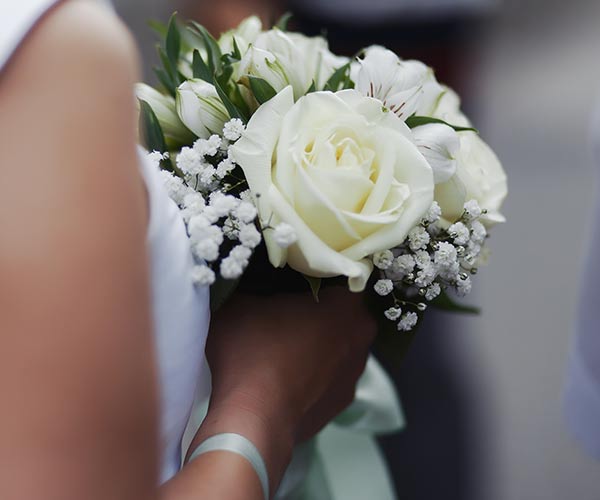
[{"x": 540, "y": 84}]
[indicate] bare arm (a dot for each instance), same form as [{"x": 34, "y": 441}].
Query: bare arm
[{"x": 76, "y": 361}]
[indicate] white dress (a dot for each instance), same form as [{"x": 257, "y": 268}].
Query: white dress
[{"x": 180, "y": 311}]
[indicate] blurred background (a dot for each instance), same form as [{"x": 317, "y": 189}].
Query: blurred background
[{"x": 482, "y": 395}]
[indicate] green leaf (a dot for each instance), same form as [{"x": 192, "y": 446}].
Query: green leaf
[
  {"x": 170, "y": 71},
  {"x": 232, "y": 109},
  {"x": 238, "y": 100},
  {"x": 227, "y": 60},
  {"x": 315, "y": 285},
  {"x": 173, "y": 41},
  {"x": 237, "y": 53},
  {"x": 225, "y": 76},
  {"x": 200, "y": 69},
  {"x": 220, "y": 291},
  {"x": 312, "y": 88},
  {"x": 417, "y": 121},
  {"x": 262, "y": 90},
  {"x": 212, "y": 47},
  {"x": 152, "y": 136},
  {"x": 445, "y": 303},
  {"x": 283, "y": 21},
  {"x": 165, "y": 80},
  {"x": 338, "y": 77}
]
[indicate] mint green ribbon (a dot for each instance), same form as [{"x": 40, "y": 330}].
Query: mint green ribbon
[{"x": 344, "y": 462}]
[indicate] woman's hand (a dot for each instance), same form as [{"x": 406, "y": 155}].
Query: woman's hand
[{"x": 284, "y": 366}]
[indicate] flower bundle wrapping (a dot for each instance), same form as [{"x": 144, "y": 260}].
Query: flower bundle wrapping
[{"x": 361, "y": 168}]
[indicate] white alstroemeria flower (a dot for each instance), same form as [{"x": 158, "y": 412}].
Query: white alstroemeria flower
[
  {"x": 245, "y": 35},
  {"x": 342, "y": 172},
  {"x": 200, "y": 108},
  {"x": 405, "y": 87},
  {"x": 439, "y": 144},
  {"x": 164, "y": 107},
  {"x": 283, "y": 59}
]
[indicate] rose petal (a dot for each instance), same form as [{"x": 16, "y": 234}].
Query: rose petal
[
  {"x": 254, "y": 153},
  {"x": 309, "y": 255}
]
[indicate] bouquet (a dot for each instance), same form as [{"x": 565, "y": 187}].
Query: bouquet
[{"x": 288, "y": 159}]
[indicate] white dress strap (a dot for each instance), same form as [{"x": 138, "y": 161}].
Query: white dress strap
[{"x": 18, "y": 18}]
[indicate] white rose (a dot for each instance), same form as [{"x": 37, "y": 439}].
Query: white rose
[
  {"x": 200, "y": 108},
  {"x": 175, "y": 132},
  {"x": 479, "y": 176},
  {"x": 342, "y": 172},
  {"x": 406, "y": 87},
  {"x": 447, "y": 108},
  {"x": 283, "y": 59}
]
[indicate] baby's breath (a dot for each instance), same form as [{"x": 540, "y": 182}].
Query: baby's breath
[{"x": 435, "y": 257}]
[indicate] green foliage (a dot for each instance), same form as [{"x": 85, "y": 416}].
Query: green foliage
[
  {"x": 217, "y": 69},
  {"x": 169, "y": 75},
  {"x": 233, "y": 110},
  {"x": 173, "y": 46},
  {"x": 237, "y": 53},
  {"x": 166, "y": 73},
  {"x": 262, "y": 90},
  {"x": 210, "y": 44},
  {"x": 169, "y": 55},
  {"x": 340, "y": 79},
  {"x": 200, "y": 69},
  {"x": 151, "y": 133},
  {"x": 165, "y": 81},
  {"x": 315, "y": 285},
  {"x": 220, "y": 291},
  {"x": 283, "y": 21},
  {"x": 417, "y": 121}
]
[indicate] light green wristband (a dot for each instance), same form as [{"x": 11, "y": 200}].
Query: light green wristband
[{"x": 236, "y": 443}]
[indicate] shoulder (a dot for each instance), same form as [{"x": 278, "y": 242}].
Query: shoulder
[
  {"x": 69, "y": 92},
  {"x": 78, "y": 44},
  {"x": 92, "y": 36},
  {"x": 73, "y": 77}
]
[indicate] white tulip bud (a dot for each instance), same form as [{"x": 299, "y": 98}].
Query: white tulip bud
[
  {"x": 245, "y": 34},
  {"x": 263, "y": 64},
  {"x": 200, "y": 108},
  {"x": 164, "y": 107}
]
